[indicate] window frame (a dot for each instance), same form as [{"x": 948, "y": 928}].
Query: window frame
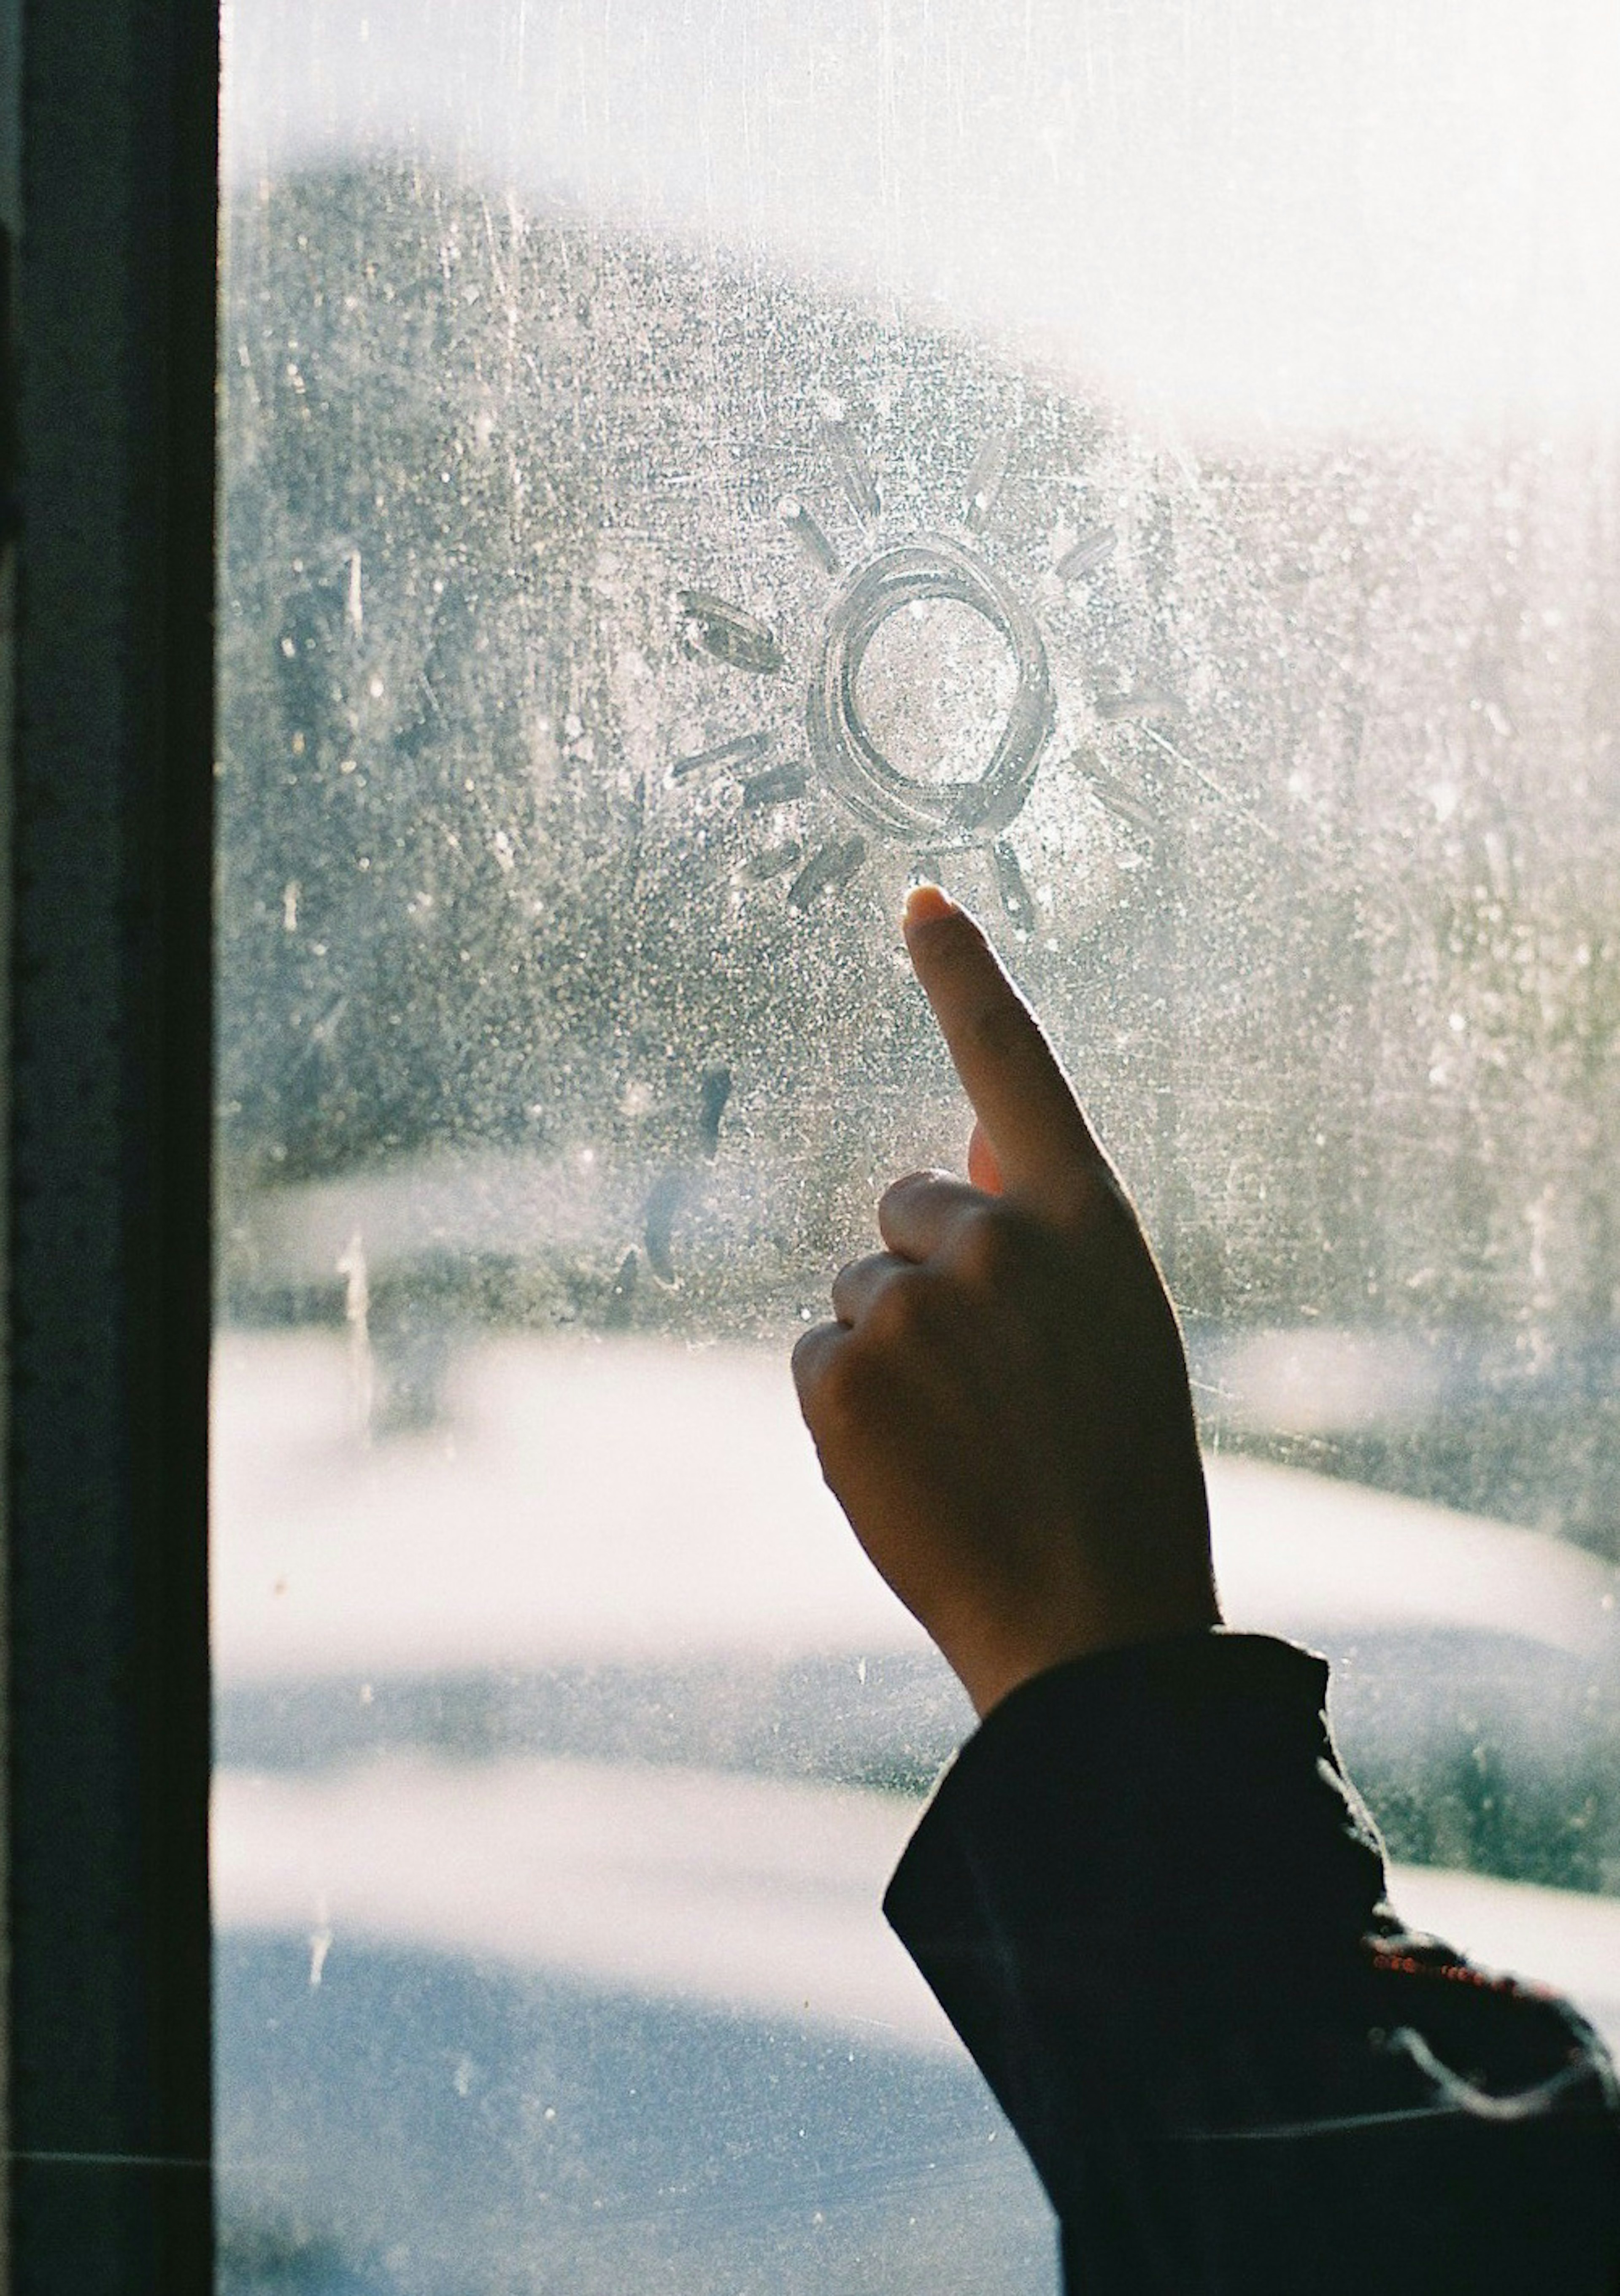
[{"x": 108, "y": 188}]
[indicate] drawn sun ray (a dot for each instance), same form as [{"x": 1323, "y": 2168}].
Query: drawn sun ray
[
  {"x": 825, "y": 871},
  {"x": 1012, "y": 885},
  {"x": 984, "y": 487},
  {"x": 1114, "y": 797},
  {"x": 1142, "y": 702},
  {"x": 777, "y": 785},
  {"x": 732, "y": 635},
  {"x": 802, "y": 523},
  {"x": 738, "y": 749},
  {"x": 848, "y": 457},
  {"x": 774, "y": 862},
  {"x": 1093, "y": 549}
]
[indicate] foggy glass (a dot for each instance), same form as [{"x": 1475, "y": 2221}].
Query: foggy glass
[{"x": 687, "y": 473}]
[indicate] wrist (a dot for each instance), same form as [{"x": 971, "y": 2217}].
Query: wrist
[{"x": 991, "y": 1666}]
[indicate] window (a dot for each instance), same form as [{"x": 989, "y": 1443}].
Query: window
[{"x": 685, "y": 472}]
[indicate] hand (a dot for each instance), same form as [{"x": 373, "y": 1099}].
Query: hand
[{"x": 1001, "y": 1407}]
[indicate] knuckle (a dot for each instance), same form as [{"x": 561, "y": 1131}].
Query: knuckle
[
  {"x": 990, "y": 1246},
  {"x": 805, "y": 1360},
  {"x": 845, "y": 1387},
  {"x": 845, "y": 1282},
  {"x": 858, "y": 1287},
  {"x": 907, "y": 1190},
  {"x": 899, "y": 1312}
]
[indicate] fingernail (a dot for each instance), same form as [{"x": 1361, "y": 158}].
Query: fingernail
[{"x": 923, "y": 902}]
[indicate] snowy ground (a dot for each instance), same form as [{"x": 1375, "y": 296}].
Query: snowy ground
[
  {"x": 619, "y": 1499},
  {"x": 467, "y": 1999}
]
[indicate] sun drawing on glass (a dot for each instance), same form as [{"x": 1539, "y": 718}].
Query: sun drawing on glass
[{"x": 924, "y": 805}]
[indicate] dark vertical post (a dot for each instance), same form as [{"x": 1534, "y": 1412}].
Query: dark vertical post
[
  {"x": 10, "y": 223},
  {"x": 110, "y": 1140}
]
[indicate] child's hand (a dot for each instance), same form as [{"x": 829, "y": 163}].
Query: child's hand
[{"x": 1001, "y": 1407}]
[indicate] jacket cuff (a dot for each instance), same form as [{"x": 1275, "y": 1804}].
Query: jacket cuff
[{"x": 1176, "y": 1795}]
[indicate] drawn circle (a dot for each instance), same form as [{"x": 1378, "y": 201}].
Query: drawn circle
[{"x": 896, "y": 804}]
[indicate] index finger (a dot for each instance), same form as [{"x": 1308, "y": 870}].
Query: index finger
[{"x": 1019, "y": 1091}]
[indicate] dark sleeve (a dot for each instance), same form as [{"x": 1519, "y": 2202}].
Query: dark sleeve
[{"x": 1154, "y": 1909}]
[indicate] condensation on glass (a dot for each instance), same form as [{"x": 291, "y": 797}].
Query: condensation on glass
[{"x": 687, "y": 473}]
